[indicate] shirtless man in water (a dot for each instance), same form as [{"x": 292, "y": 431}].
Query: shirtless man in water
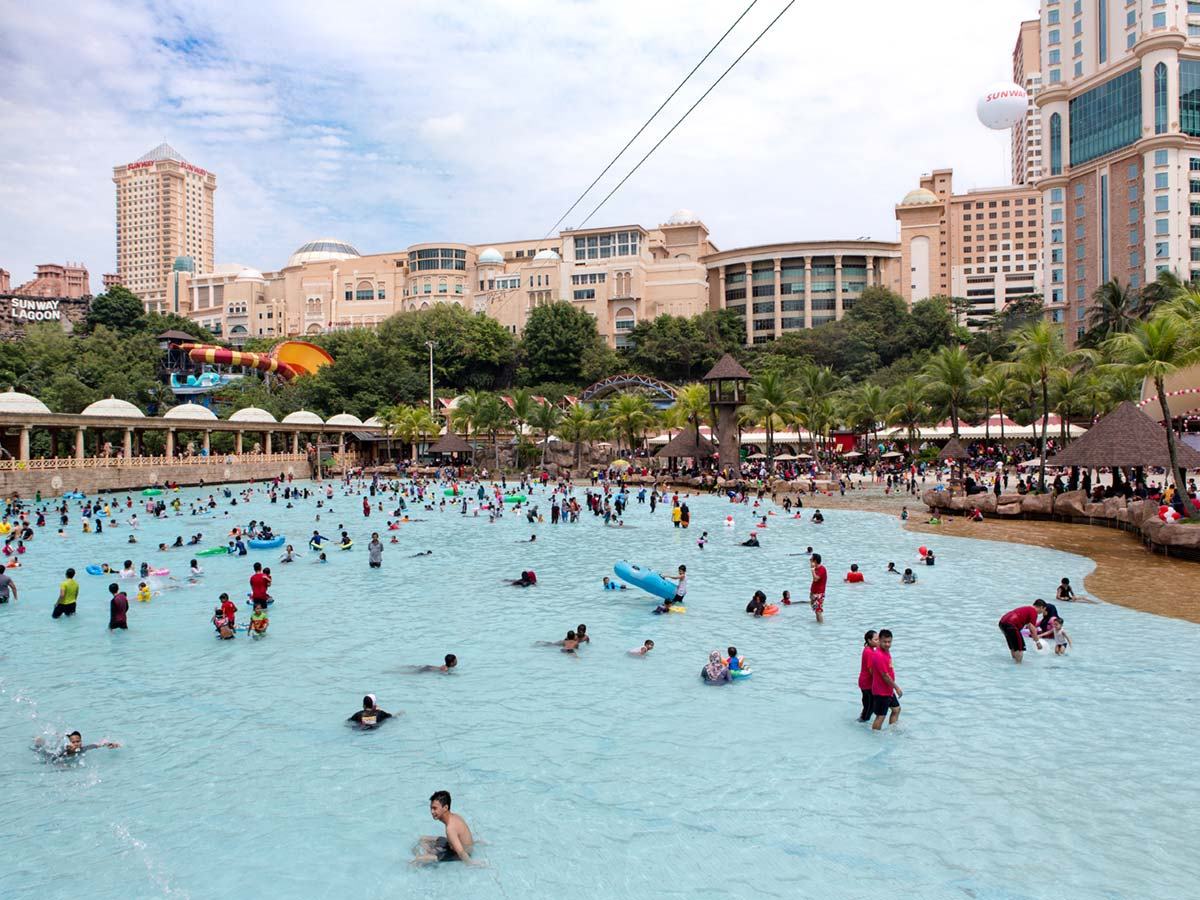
[{"x": 456, "y": 845}]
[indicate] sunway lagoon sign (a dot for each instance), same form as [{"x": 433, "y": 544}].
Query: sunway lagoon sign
[{"x": 35, "y": 310}]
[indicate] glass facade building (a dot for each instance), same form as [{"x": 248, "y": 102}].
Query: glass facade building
[{"x": 1106, "y": 118}]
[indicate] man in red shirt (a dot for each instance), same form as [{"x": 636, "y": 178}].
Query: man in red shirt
[
  {"x": 884, "y": 690},
  {"x": 1014, "y": 620},
  {"x": 260, "y": 584},
  {"x": 816, "y": 590}
]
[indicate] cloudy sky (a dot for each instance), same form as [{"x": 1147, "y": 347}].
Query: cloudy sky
[{"x": 386, "y": 124}]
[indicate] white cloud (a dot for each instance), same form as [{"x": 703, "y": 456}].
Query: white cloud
[{"x": 389, "y": 124}]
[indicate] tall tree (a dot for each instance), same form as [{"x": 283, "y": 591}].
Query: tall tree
[
  {"x": 631, "y": 415},
  {"x": 771, "y": 402},
  {"x": 556, "y": 338},
  {"x": 546, "y": 418},
  {"x": 949, "y": 379},
  {"x": 117, "y": 308},
  {"x": 1156, "y": 349}
]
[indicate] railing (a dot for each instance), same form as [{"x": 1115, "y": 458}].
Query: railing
[{"x": 118, "y": 462}]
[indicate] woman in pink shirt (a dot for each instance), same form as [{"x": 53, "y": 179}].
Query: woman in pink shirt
[{"x": 870, "y": 642}]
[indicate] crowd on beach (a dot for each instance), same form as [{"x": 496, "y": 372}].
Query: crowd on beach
[{"x": 26, "y": 525}]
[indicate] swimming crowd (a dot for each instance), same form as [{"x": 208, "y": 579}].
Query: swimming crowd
[{"x": 22, "y": 523}]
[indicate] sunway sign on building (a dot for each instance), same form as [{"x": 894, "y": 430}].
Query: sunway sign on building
[
  {"x": 32, "y": 310},
  {"x": 149, "y": 164}
]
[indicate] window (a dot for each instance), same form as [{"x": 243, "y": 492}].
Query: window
[
  {"x": 1194, "y": 209},
  {"x": 1079, "y": 210},
  {"x": 1162, "y": 203},
  {"x": 1160, "y": 98},
  {"x": 1161, "y": 181},
  {"x": 1079, "y": 251},
  {"x": 1052, "y": 36},
  {"x": 1195, "y": 231},
  {"x": 1135, "y": 236},
  {"x": 1194, "y": 164},
  {"x": 1056, "y": 276},
  {"x": 1056, "y": 235},
  {"x": 437, "y": 258},
  {"x": 1189, "y": 97},
  {"x": 606, "y": 246},
  {"x": 1078, "y": 190},
  {"x": 1134, "y": 258},
  {"x": 1055, "y": 144},
  {"x": 1106, "y": 118},
  {"x": 1052, "y": 17},
  {"x": 1056, "y": 195},
  {"x": 1056, "y": 215},
  {"x": 1133, "y": 215},
  {"x": 1131, "y": 18},
  {"x": 1102, "y": 28},
  {"x": 585, "y": 294},
  {"x": 1130, "y": 40},
  {"x": 1160, "y": 157},
  {"x": 1193, "y": 30},
  {"x": 1055, "y": 57},
  {"x": 1162, "y": 250},
  {"x": 1078, "y": 28},
  {"x": 1162, "y": 226},
  {"x": 1056, "y": 255},
  {"x": 1056, "y": 295},
  {"x": 1158, "y": 20},
  {"x": 763, "y": 290},
  {"x": 1077, "y": 50}
]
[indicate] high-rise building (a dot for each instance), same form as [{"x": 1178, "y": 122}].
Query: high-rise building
[
  {"x": 983, "y": 245},
  {"x": 1120, "y": 110},
  {"x": 164, "y": 211},
  {"x": 1027, "y": 134}
]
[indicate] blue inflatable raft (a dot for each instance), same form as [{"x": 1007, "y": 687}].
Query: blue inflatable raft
[
  {"x": 274, "y": 542},
  {"x": 649, "y": 581}
]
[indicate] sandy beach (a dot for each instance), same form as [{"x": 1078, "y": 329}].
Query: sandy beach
[{"x": 1126, "y": 572}]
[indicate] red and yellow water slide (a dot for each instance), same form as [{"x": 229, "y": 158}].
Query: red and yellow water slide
[{"x": 287, "y": 360}]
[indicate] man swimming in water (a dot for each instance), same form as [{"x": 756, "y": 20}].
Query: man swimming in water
[
  {"x": 450, "y": 663},
  {"x": 456, "y": 845},
  {"x": 370, "y": 716},
  {"x": 71, "y": 748}
]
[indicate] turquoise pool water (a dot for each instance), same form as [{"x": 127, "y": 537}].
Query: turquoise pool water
[{"x": 600, "y": 775}]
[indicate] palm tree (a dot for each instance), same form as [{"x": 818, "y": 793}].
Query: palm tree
[
  {"x": 1165, "y": 287},
  {"x": 692, "y": 402},
  {"x": 770, "y": 402},
  {"x": 1114, "y": 310},
  {"x": 909, "y": 408},
  {"x": 546, "y": 417},
  {"x": 577, "y": 426},
  {"x": 1040, "y": 355},
  {"x": 495, "y": 416},
  {"x": 993, "y": 388},
  {"x": 522, "y": 405},
  {"x": 467, "y": 413},
  {"x": 949, "y": 378},
  {"x": 392, "y": 418},
  {"x": 418, "y": 424},
  {"x": 813, "y": 385},
  {"x": 1154, "y": 350},
  {"x": 865, "y": 407},
  {"x": 630, "y": 415}
]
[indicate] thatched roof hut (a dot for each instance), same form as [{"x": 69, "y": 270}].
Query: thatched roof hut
[
  {"x": 1125, "y": 437},
  {"x": 451, "y": 443},
  {"x": 953, "y": 450},
  {"x": 685, "y": 444}
]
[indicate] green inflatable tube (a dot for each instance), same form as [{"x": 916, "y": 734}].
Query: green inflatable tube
[
  {"x": 151, "y": 492},
  {"x": 515, "y": 498},
  {"x": 213, "y": 551},
  {"x": 450, "y": 493}
]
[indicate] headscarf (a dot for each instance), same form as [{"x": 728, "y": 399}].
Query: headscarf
[{"x": 716, "y": 668}]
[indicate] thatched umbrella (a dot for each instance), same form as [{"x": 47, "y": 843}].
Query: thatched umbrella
[
  {"x": 685, "y": 444},
  {"x": 451, "y": 443},
  {"x": 1126, "y": 437},
  {"x": 956, "y": 452}
]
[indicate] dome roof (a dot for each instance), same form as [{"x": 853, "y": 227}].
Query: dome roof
[
  {"x": 113, "y": 407},
  {"x": 682, "y": 217},
  {"x": 162, "y": 151},
  {"x": 491, "y": 257},
  {"x": 191, "y": 411},
  {"x": 373, "y": 422},
  {"x": 322, "y": 248},
  {"x": 920, "y": 195},
  {"x": 240, "y": 271},
  {"x": 302, "y": 417},
  {"x": 546, "y": 254},
  {"x": 344, "y": 419},
  {"x": 15, "y": 402},
  {"x": 251, "y": 414}
]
